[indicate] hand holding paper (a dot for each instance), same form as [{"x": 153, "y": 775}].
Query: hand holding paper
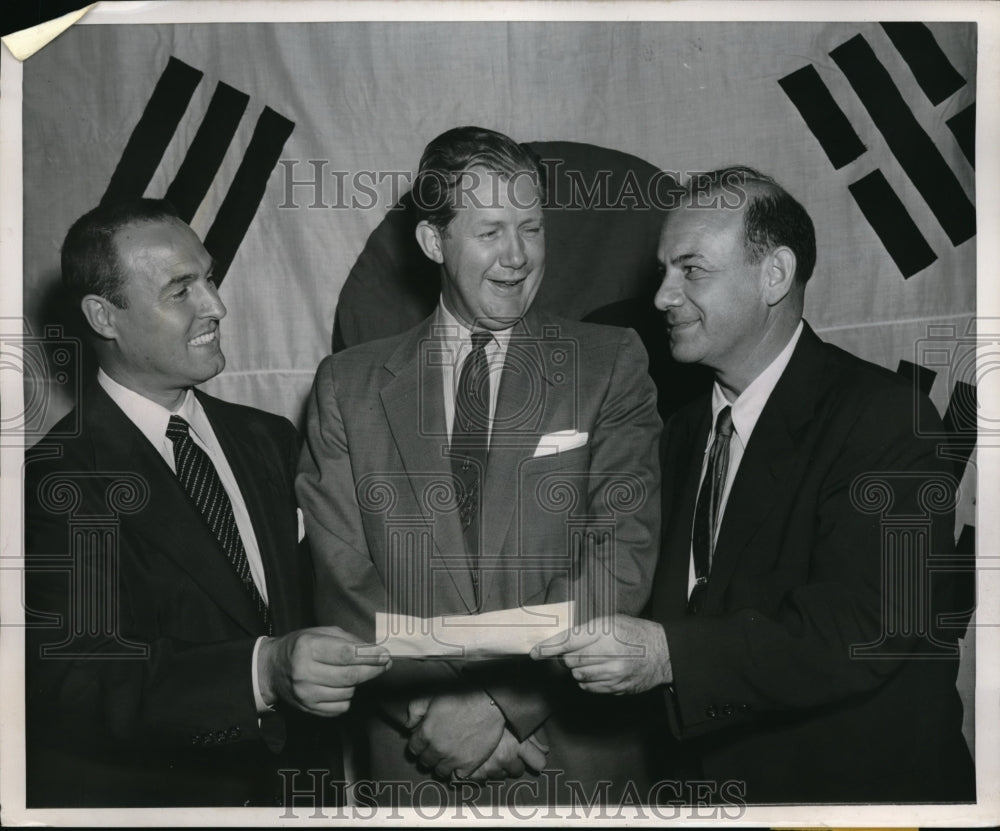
[
  {"x": 617, "y": 655},
  {"x": 317, "y": 669}
]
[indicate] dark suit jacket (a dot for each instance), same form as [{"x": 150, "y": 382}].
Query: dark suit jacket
[
  {"x": 819, "y": 670},
  {"x": 138, "y": 655},
  {"x": 374, "y": 483}
]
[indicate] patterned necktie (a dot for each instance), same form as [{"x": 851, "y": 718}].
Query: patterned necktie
[
  {"x": 200, "y": 480},
  {"x": 470, "y": 444},
  {"x": 706, "y": 513}
]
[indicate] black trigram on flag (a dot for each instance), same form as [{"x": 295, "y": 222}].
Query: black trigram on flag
[
  {"x": 912, "y": 147},
  {"x": 156, "y": 127}
]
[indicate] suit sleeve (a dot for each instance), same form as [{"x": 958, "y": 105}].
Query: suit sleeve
[
  {"x": 349, "y": 588},
  {"x": 137, "y": 662},
  {"x": 747, "y": 664},
  {"x": 94, "y": 672},
  {"x": 623, "y": 489}
]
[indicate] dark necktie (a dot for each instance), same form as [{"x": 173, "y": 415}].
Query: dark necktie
[
  {"x": 200, "y": 480},
  {"x": 470, "y": 444},
  {"x": 706, "y": 512}
]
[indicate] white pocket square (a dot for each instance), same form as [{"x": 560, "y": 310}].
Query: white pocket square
[
  {"x": 302, "y": 524},
  {"x": 560, "y": 442}
]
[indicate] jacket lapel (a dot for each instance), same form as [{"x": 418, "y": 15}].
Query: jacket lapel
[
  {"x": 168, "y": 522},
  {"x": 686, "y": 438},
  {"x": 260, "y": 484},
  {"x": 413, "y": 400},
  {"x": 769, "y": 457}
]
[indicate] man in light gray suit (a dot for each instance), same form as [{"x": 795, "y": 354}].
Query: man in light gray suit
[{"x": 492, "y": 457}]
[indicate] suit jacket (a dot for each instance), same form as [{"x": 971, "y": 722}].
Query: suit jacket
[
  {"x": 819, "y": 669},
  {"x": 139, "y": 647},
  {"x": 374, "y": 485}
]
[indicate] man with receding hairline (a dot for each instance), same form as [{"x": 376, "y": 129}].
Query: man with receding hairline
[{"x": 774, "y": 634}]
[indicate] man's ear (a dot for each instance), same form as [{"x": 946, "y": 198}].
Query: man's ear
[
  {"x": 98, "y": 313},
  {"x": 779, "y": 274},
  {"x": 429, "y": 239}
]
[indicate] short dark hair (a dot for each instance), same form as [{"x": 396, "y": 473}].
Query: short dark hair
[
  {"x": 90, "y": 263},
  {"x": 453, "y": 153},
  {"x": 772, "y": 217}
]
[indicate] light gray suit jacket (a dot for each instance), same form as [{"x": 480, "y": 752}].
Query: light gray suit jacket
[{"x": 375, "y": 486}]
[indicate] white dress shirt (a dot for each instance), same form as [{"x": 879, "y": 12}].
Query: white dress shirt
[
  {"x": 151, "y": 419},
  {"x": 746, "y": 410},
  {"x": 456, "y": 338}
]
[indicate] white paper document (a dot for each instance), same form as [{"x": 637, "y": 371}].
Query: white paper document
[{"x": 488, "y": 635}]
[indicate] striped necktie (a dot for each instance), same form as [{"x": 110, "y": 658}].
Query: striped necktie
[{"x": 201, "y": 482}]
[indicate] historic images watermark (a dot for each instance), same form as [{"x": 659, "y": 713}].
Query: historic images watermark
[
  {"x": 905, "y": 503},
  {"x": 314, "y": 794},
  {"x": 89, "y": 565},
  {"x": 40, "y": 363},
  {"x": 316, "y": 184}
]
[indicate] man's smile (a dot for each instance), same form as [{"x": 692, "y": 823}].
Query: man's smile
[
  {"x": 506, "y": 285},
  {"x": 205, "y": 339},
  {"x": 680, "y": 325}
]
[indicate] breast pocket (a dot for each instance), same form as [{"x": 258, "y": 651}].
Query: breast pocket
[{"x": 552, "y": 496}]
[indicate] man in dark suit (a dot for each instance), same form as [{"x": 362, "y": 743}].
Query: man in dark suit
[
  {"x": 167, "y": 590},
  {"x": 492, "y": 457},
  {"x": 796, "y": 634}
]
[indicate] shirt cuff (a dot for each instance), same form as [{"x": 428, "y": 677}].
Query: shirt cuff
[{"x": 262, "y": 706}]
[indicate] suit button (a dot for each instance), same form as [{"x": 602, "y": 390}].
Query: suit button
[
  {"x": 744, "y": 708},
  {"x": 197, "y": 738},
  {"x": 710, "y": 711},
  {"x": 233, "y": 733},
  {"x": 727, "y": 710}
]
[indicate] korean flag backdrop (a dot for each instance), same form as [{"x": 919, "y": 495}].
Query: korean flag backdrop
[{"x": 288, "y": 145}]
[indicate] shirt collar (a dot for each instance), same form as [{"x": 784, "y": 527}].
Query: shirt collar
[
  {"x": 750, "y": 403},
  {"x": 450, "y": 327},
  {"x": 151, "y": 418}
]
